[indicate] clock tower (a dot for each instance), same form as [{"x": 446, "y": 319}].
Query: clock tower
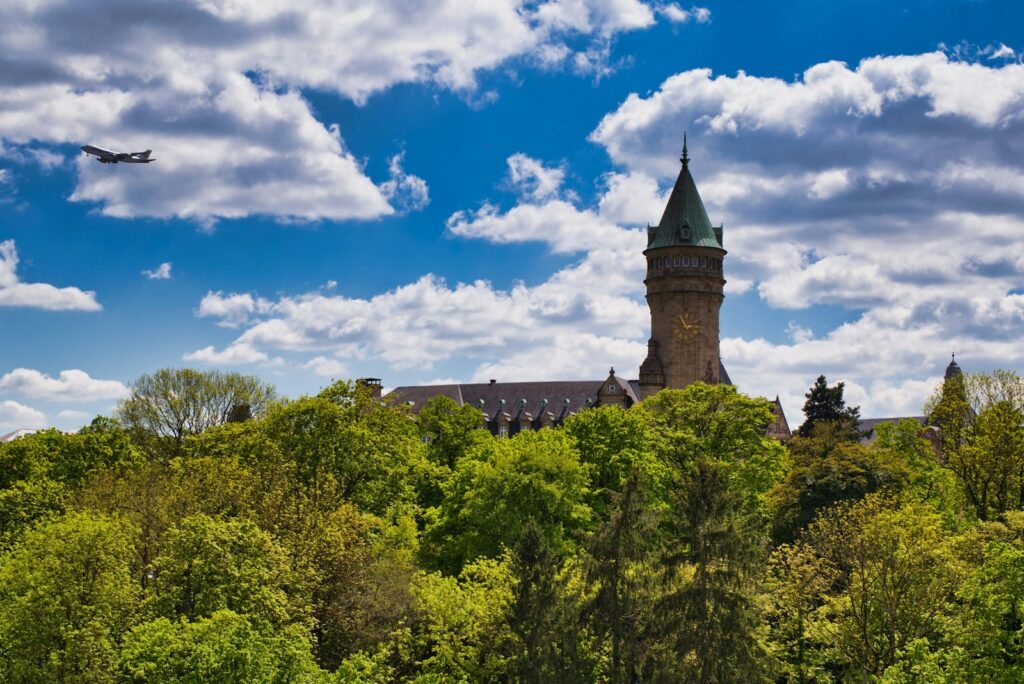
[{"x": 684, "y": 291}]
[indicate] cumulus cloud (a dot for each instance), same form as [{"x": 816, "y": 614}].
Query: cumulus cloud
[
  {"x": 532, "y": 179},
  {"x": 677, "y": 15},
  {"x": 14, "y": 292},
  {"x": 15, "y": 416},
  {"x": 892, "y": 188},
  {"x": 215, "y": 89},
  {"x": 70, "y": 386},
  {"x": 404, "y": 191},
  {"x": 231, "y": 310},
  {"x": 161, "y": 272},
  {"x": 234, "y": 355},
  {"x": 328, "y": 368}
]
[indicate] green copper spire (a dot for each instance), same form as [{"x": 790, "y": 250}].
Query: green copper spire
[{"x": 685, "y": 221}]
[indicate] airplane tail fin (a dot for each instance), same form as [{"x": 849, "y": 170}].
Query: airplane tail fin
[{"x": 142, "y": 155}]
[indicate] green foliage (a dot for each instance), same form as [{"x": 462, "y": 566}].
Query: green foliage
[
  {"x": 167, "y": 406},
  {"x": 449, "y": 429},
  {"x": 898, "y": 575},
  {"x": 40, "y": 472},
  {"x": 826, "y": 405},
  {"x": 457, "y": 632},
  {"x": 503, "y": 486},
  {"x": 616, "y": 444},
  {"x": 225, "y": 647},
  {"x": 335, "y": 538},
  {"x": 346, "y": 446},
  {"x": 67, "y": 594},
  {"x": 724, "y": 467},
  {"x": 208, "y": 565},
  {"x": 827, "y": 469}
]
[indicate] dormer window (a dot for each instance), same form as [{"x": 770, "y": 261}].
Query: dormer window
[{"x": 686, "y": 233}]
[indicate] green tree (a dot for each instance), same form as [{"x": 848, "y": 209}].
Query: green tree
[
  {"x": 67, "y": 595},
  {"x": 497, "y": 491},
  {"x": 458, "y": 630},
  {"x": 167, "y": 406},
  {"x": 990, "y": 462},
  {"x": 343, "y": 445},
  {"x": 616, "y": 444},
  {"x": 827, "y": 468},
  {"x": 40, "y": 473},
  {"x": 225, "y": 647},
  {"x": 621, "y": 565},
  {"x": 898, "y": 579},
  {"x": 448, "y": 429},
  {"x": 798, "y": 583},
  {"x": 826, "y": 405},
  {"x": 208, "y": 565},
  {"x": 723, "y": 467},
  {"x": 713, "y": 557}
]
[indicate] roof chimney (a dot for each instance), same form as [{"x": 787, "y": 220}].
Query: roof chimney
[{"x": 493, "y": 381}]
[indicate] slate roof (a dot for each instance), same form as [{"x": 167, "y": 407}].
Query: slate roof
[
  {"x": 507, "y": 396},
  {"x": 685, "y": 221},
  {"x": 578, "y": 392}
]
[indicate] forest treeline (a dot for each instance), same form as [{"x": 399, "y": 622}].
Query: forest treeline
[{"x": 212, "y": 532}]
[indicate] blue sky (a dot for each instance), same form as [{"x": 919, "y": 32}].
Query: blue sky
[{"x": 423, "y": 192}]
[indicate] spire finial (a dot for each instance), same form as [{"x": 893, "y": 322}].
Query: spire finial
[{"x": 686, "y": 157}]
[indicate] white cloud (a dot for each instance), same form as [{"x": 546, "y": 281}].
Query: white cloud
[
  {"x": 828, "y": 184},
  {"x": 892, "y": 190},
  {"x": 404, "y": 191},
  {"x": 328, "y": 368},
  {"x": 677, "y": 15},
  {"x": 233, "y": 310},
  {"x": 14, "y": 292},
  {"x": 215, "y": 90},
  {"x": 70, "y": 385},
  {"x": 69, "y": 414},
  {"x": 161, "y": 272},
  {"x": 532, "y": 180},
  {"x": 233, "y": 355},
  {"x": 15, "y": 416}
]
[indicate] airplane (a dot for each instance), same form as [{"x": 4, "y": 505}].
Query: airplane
[{"x": 107, "y": 157}]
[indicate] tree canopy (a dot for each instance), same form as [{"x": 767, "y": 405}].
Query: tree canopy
[{"x": 338, "y": 538}]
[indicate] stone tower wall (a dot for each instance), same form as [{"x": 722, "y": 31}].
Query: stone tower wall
[{"x": 684, "y": 303}]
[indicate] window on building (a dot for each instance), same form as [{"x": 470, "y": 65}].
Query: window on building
[
  {"x": 503, "y": 430},
  {"x": 677, "y": 262},
  {"x": 703, "y": 262},
  {"x": 686, "y": 262},
  {"x": 611, "y": 388}
]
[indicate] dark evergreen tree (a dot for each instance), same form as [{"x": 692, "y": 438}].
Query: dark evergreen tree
[
  {"x": 708, "y": 613},
  {"x": 826, "y": 405},
  {"x": 621, "y": 562},
  {"x": 546, "y": 643}
]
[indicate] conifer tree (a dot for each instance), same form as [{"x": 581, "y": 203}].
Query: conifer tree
[{"x": 826, "y": 405}]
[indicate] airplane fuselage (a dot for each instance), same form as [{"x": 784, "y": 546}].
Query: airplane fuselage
[{"x": 107, "y": 157}]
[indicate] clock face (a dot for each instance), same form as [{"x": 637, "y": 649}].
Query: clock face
[{"x": 684, "y": 328}]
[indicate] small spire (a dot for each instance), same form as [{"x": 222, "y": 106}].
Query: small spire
[
  {"x": 612, "y": 371},
  {"x": 685, "y": 159}
]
